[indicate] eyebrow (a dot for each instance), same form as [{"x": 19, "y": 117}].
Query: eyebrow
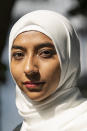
[
  {"x": 18, "y": 47},
  {"x": 48, "y": 44}
]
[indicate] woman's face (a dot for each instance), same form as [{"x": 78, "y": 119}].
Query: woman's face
[{"x": 35, "y": 65}]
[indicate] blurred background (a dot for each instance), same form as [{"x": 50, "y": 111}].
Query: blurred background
[{"x": 10, "y": 12}]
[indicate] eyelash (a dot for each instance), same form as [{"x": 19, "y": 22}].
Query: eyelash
[
  {"x": 46, "y": 53},
  {"x": 17, "y": 55}
]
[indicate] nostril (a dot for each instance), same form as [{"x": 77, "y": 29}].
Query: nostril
[{"x": 33, "y": 75}]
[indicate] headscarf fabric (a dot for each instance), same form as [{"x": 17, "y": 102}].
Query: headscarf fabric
[{"x": 64, "y": 108}]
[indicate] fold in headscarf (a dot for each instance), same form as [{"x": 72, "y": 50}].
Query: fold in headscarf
[{"x": 64, "y": 109}]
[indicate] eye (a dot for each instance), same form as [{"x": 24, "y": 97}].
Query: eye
[
  {"x": 46, "y": 53},
  {"x": 18, "y": 55}
]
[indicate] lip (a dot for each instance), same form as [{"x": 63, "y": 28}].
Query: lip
[{"x": 33, "y": 85}]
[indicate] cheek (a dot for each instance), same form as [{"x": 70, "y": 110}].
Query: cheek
[
  {"x": 16, "y": 72},
  {"x": 51, "y": 71},
  {"x": 51, "y": 74}
]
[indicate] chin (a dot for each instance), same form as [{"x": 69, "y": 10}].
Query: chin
[{"x": 36, "y": 96}]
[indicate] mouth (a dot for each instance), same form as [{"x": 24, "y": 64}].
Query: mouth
[{"x": 33, "y": 86}]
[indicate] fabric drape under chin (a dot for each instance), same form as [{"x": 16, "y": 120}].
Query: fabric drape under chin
[{"x": 61, "y": 110}]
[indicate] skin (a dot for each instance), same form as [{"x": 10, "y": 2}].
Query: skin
[{"x": 34, "y": 59}]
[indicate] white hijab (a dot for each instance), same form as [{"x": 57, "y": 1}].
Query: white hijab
[{"x": 65, "y": 109}]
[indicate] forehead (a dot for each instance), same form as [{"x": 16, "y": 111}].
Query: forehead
[{"x": 32, "y": 36}]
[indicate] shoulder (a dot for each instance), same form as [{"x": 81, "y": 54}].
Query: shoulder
[{"x": 18, "y": 127}]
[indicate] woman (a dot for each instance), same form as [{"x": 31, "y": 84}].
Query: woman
[{"x": 44, "y": 56}]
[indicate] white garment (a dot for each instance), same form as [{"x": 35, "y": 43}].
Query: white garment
[{"x": 65, "y": 109}]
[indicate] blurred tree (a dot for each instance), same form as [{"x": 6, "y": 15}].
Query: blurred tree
[
  {"x": 81, "y": 8},
  {"x": 5, "y": 10}
]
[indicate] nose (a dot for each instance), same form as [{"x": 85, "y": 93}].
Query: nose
[{"x": 31, "y": 68}]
